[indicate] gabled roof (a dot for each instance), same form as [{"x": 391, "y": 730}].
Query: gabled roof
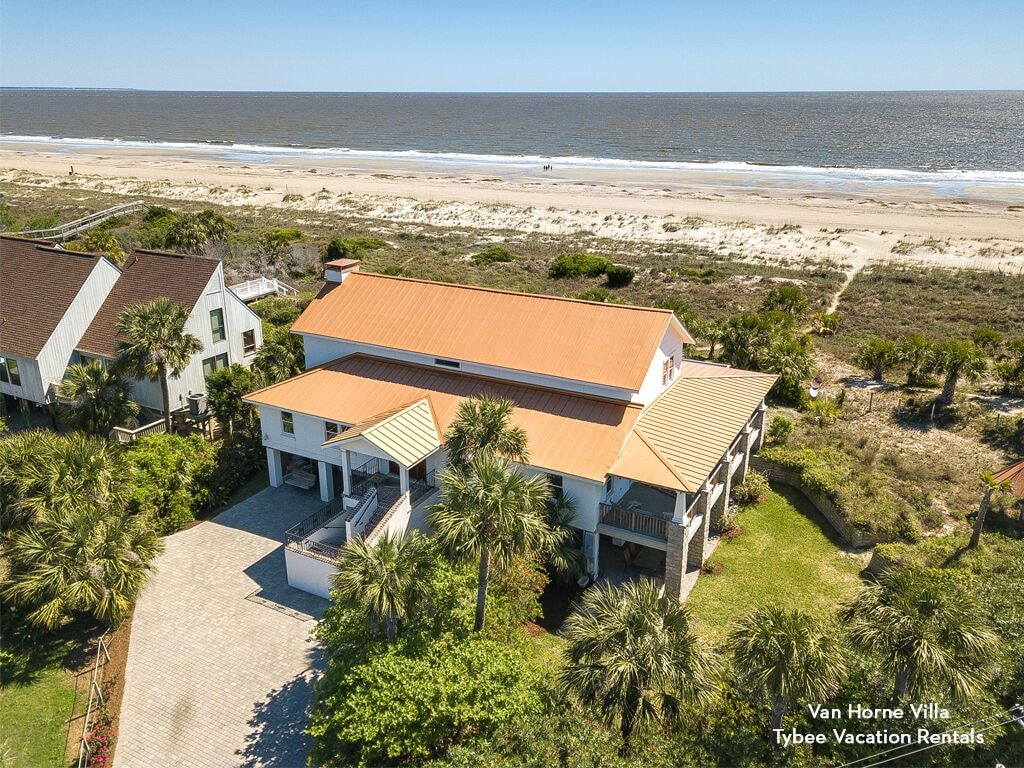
[
  {"x": 147, "y": 275},
  {"x": 571, "y": 434},
  {"x": 1015, "y": 475},
  {"x": 684, "y": 433},
  {"x": 609, "y": 344},
  {"x": 38, "y": 282},
  {"x": 408, "y": 433}
]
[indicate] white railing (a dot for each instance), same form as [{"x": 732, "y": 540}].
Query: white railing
[
  {"x": 122, "y": 435},
  {"x": 259, "y": 287},
  {"x": 64, "y": 231}
]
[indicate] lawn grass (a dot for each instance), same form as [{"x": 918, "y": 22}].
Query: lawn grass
[
  {"x": 37, "y": 696},
  {"x": 786, "y": 556}
]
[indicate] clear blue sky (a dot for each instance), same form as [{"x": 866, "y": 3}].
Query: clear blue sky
[{"x": 513, "y": 45}]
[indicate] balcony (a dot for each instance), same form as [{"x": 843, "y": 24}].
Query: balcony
[{"x": 642, "y": 509}]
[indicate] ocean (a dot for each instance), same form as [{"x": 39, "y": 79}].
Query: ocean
[{"x": 962, "y": 135}]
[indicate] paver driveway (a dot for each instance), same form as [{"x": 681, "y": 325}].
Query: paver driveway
[{"x": 220, "y": 666}]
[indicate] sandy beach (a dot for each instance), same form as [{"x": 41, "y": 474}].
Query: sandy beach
[{"x": 769, "y": 214}]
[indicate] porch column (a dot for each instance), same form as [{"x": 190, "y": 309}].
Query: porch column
[
  {"x": 675, "y": 559},
  {"x": 326, "y": 481},
  {"x": 403, "y": 479},
  {"x": 275, "y": 467},
  {"x": 759, "y": 420},
  {"x": 346, "y": 472},
  {"x": 595, "y": 566},
  {"x": 722, "y": 503},
  {"x": 747, "y": 447},
  {"x": 699, "y": 537},
  {"x": 679, "y": 511}
]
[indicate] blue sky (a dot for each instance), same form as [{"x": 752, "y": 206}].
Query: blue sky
[{"x": 517, "y": 45}]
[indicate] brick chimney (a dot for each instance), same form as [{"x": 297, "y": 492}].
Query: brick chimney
[{"x": 336, "y": 271}]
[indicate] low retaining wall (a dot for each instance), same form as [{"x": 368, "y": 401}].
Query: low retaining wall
[{"x": 823, "y": 504}]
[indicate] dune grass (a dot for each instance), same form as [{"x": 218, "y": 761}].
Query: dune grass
[{"x": 786, "y": 555}]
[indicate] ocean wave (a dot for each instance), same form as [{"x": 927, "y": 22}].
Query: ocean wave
[{"x": 940, "y": 176}]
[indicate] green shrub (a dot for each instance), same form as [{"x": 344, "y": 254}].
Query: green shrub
[
  {"x": 351, "y": 247},
  {"x": 779, "y": 430},
  {"x": 753, "y": 490},
  {"x": 238, "y": 458},
  {"x": 619, "y": 276},
  {"x": 279, "y": 311},
  {"x": 406, "y": 704},
  {"x": 593, "y": 294},
  {"x": 493, "y": 254},
  {"x": 169, "y": 479},
  {"x": 578, "y": 265}
]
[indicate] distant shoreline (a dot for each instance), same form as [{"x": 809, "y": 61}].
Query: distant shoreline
[{"x": 711, "y": 179}]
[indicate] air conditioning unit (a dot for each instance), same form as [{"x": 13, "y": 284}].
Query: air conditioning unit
[{"x": 197, "y": 405}]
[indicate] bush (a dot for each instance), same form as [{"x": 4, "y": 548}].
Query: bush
[
  {"x": 779, "y": 430},
  {"x": 753, "y": 490},
  {"x": 578, "y": 265},
  {"x": 238, "y": 458},
  {"x": 351, "y": 247},
  {"x": 493, "y": 254},
  {"x": 169, "y": 479},
  {"x": 279, "y": 311},
  {"x": 408, "y": 703},
  {"x": 619, "y": 276}
]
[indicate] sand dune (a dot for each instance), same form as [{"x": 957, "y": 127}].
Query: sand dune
[{"x": 762, "y": 221}]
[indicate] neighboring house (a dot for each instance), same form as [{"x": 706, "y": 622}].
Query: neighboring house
[
  {"x": 645, "y": 442},
  {"x": 229, "y": 330},
  {"x": 48, "y": 297},
  {"x": 59, "y": 307}
]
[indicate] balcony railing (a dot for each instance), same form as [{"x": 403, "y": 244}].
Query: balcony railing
[
  {"x": 637, "y": 520},
  {"x": 122, "y": 435}
]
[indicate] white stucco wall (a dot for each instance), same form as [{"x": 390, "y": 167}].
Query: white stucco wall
[
  {"x": 321, "y": 350},
  {"x": 308, "y": 573}
]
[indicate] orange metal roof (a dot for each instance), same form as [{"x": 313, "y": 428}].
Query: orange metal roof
[
  {"x": 683, "y": 434},
  {"x": 1015, "y": 474},
  {"x": 608, "y": 344},
  {"x": 570, "y": 434}
]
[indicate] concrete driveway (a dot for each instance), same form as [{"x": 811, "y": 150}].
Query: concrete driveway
[{"x": 221, "y": 665}]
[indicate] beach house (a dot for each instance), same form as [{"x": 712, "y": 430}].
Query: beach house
[
  {"x": 644, "y": 441},
  {"x": 59, "y": 307}
]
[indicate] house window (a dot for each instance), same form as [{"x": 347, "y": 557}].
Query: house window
[
  {"x": 668, "y": 369},
  {"x": 215, "y": 363},
  {"x": 9, "y": 373},
  {"x": 555, "y": 481},
  {"x": 248, "y": 342},
  {"x": 287, "y": 423},
  {"x": 332, "y": 429},
  {"x": 447, "y": 363},
  {"x": 217, "y": 325}
]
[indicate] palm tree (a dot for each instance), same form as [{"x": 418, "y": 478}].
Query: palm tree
[
  {"x": 789, "y": 299},
  {"x": 155, "y": 345},
  {"x": 95, "y": 399},
  {"x": 787, "y": 657},
  {"x": 956, "y": 359},
  {"x": 877, "y": 356},
  {"x": 990, "y": 486},
  {"x": 43, "y": 473},
  {"x": 791, "y": 360},
  {"x": 632, "y": 652},
  {"x": 280, "y": 358},
  {"x": 564, "y": 557},
  {"x": 388, "y": 578},
  {"x": 490, "y": 511},
  {"x": 90, "y": 558},
  {"x": 484, "y": 424},
  {"x": 914, "y": 350},
  {"x": 928, "y": 631}
]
